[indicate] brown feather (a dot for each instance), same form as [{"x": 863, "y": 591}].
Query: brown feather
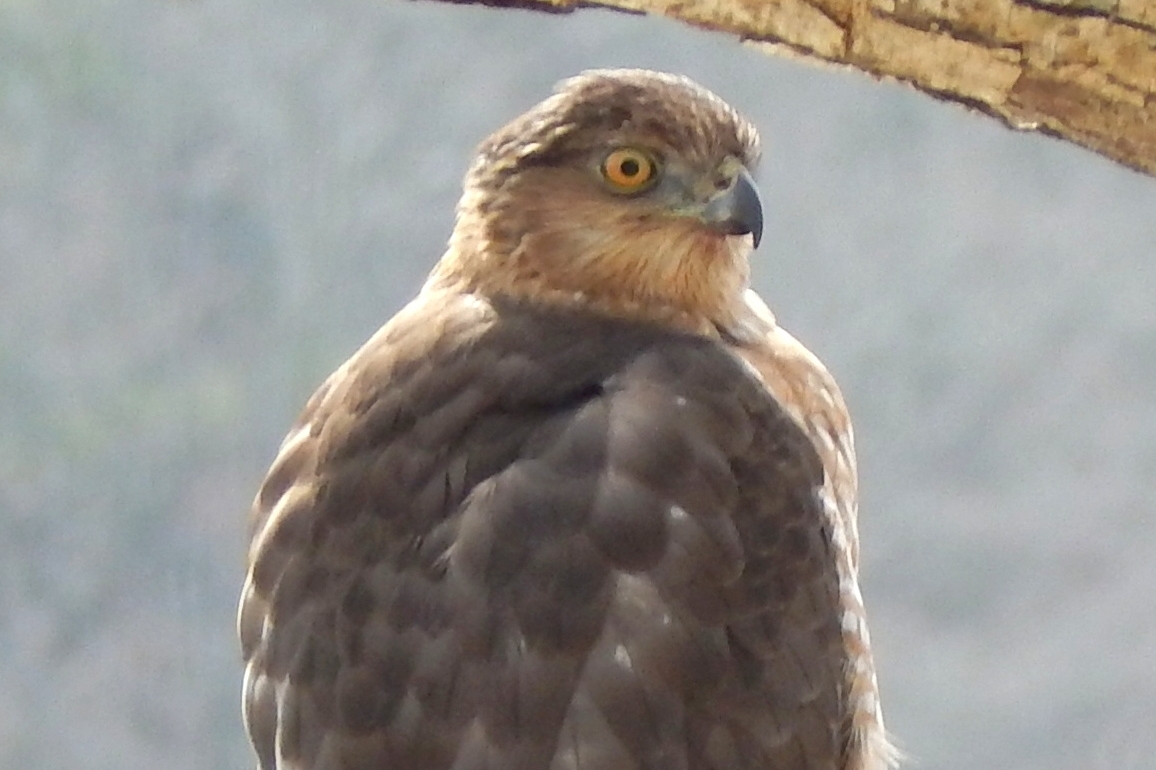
[
  {"x": 534, "y": 223},
  {"x": 580, "y": 505}
]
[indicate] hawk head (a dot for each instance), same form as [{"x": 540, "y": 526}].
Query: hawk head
[{"x": 627, "y": 191}]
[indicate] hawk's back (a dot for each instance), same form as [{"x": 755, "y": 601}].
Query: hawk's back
[{"x": 520, "y": 539}]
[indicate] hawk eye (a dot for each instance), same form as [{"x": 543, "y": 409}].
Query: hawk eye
[{"x": 629, "y": 170}]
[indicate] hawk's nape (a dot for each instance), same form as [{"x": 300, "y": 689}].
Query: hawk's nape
[{"x": 582, "y": 504}]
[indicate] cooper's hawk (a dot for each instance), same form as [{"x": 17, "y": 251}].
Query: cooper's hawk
[{"x": 582, "y": 503}]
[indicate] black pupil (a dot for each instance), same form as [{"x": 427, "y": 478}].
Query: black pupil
[{"x": 630, "y": 167}]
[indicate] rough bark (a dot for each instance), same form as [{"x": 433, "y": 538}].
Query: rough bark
[{"x": 1082, "y": 70}]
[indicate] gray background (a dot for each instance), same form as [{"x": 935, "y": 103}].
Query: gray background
[{"x": 206, "y": 205}]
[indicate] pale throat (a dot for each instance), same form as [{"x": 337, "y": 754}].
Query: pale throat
[{"x": 663, "y": 269}]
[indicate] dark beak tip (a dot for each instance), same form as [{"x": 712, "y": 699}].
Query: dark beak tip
[
  {"x": 748, "y": 209},
  {"x": 739, "y": 211}
]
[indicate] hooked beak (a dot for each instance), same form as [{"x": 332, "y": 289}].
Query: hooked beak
[{"x": 737, "y": 210}]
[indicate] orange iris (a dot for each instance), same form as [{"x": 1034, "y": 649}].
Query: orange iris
[{"x": 629, "y": 170}]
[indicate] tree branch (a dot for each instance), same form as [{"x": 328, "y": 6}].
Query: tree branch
[{"x": 1081, "y": 70}]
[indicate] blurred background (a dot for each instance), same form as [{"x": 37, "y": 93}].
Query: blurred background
[{"x": 206, "y": 205}]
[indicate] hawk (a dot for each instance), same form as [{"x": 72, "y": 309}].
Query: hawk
[{"x": 582, "y": 504}]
